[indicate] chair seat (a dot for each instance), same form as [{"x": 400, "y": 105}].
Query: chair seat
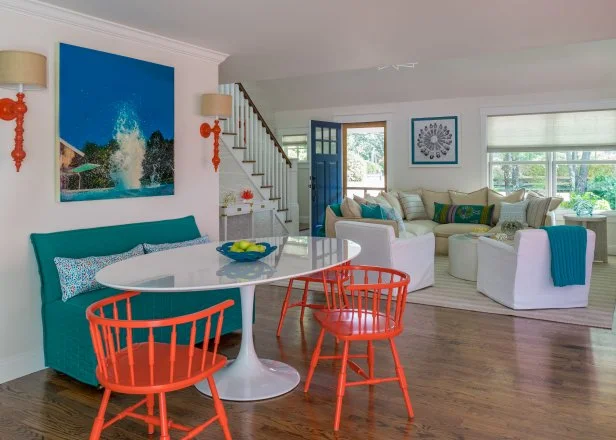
[
  {"x": 351, "y": 322},
  {"x": 161, "y": 376}
]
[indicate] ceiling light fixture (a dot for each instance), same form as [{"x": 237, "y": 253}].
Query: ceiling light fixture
[{"x": 398, "y": 66}]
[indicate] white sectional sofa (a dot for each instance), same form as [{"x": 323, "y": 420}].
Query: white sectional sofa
[{"x": 425, "y": 225}]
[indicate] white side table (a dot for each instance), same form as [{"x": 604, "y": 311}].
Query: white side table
[
  {"x": 596, "y": 223},
  {"x": 248, "y": 209},
  {"x": 463, "y": 256}
]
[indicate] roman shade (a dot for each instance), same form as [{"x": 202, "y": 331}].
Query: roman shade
[{"x": 581, "y": 130}]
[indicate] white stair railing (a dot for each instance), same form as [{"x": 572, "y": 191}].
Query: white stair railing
[{"x": 259, "y": 149}]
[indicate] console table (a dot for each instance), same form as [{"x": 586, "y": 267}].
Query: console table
[
  {"x": 597, "y": 224},
  {"x": 248, "y": 209}
]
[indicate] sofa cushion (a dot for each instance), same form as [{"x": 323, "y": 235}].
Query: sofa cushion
[
  {"x": 458, "y": 228},
  {"x": 413, "y": 206},
  {"x": 479, "y": 197},
  {"x": 431, "y": 197},
  {"x": 537, "y": 209},
  {"x": 476, "y": 214},
  {"x": 151, "y": 248},
  {"x": 77, "y": 275},
  {"x": 350, "y": 208},
  {"x": 107, "y": 240},
  {"x": 495, "y": 198},
  {"x": 419, "y": 227},
  {"x": 392, "y": 199}
]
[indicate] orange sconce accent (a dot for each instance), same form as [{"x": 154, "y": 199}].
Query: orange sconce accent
[
  {"x": 20, "y": 70},
  {"x": 206, "y": 129},
  {"x": 213, "y": 104}
]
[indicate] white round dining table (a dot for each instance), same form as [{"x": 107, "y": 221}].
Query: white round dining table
[{"x": 200, "y": 268}]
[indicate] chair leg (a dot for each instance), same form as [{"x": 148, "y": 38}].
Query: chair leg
[
  {"x": 315, "y": 360},
  {"x": 164, "y": 422},
  {"x": 220, "y": 409},
  {"x": 99, "y": 421},
  {"x": 285, "y": 306},
  {"x": 370, "y": 360},
  {"x": 341, "y": 384},
  {"x": 150, "y": 407},
  {"x": 304, "y": 299},
  {"x": 401, "y": 378}
]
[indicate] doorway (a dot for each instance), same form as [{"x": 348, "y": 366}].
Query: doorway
[{"x": 364, "y": 150}]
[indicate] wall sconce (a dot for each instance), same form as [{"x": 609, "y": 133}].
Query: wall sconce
[
  {"x": 20, "y": 71},
  {"x": 213, "y": 104}
]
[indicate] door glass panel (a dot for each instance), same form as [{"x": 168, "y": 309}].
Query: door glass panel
[
  {"x": 319, "y": 147},
  {"x": 325, "y": 134},
  {"x": 333, "y": 136},
  {"x": 319, "y": 134},
  {"x": 333, "y": 146}
]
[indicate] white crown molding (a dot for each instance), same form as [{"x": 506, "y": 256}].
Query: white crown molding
[{"x": 68, "y": 17}]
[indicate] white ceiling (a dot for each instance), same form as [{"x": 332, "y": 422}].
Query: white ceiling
[{"x": 268, "y": 39}]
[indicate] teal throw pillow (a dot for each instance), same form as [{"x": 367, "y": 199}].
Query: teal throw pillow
[
  {"x": 77, "y": 274},
  {"x": 475, "y": 214},
  {"x": 151, "y": 248},
  {"x": 392, "y": 214},
  {"x": 373, "y": 211},
  {"x": 336, "y": 209}
]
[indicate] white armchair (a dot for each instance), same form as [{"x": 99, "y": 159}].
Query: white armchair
[
  {"x": 520, "y": 277},
  {"x": 380, "y": 247}
]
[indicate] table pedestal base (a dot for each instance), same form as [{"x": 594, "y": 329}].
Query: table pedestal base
[{"x": 247, "y": 377}]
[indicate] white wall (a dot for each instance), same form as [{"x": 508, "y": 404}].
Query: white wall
[
  {"x": 303, "y": 192},
  {"x": 27, "y": 199},
  {"x": 470, "y": 175}
]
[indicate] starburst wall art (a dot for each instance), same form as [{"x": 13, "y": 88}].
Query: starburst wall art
[{"x": 434, "y": 141}]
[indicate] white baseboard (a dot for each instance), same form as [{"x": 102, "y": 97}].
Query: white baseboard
[{"x": 21, "y": 364}]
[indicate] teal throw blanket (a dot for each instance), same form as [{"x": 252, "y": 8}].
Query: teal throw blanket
[{"x": 568, "y": 248}]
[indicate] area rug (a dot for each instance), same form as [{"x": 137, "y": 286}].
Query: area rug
[{"x": 454, "y": 293}]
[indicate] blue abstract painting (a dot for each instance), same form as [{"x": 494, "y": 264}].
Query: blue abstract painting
[{"x": 115, "y": 126}]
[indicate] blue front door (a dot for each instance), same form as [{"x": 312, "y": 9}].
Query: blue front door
[{"x": 326, "y": 169}]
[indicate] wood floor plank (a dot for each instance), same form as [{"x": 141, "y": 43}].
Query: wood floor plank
[{"x": 471, "y": 376}]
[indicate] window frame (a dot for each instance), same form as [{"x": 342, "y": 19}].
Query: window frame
[
  {"x": 371, "y": 124},
  {"x": 487, "y": 162},
  {"x": 296, "y": 145}
]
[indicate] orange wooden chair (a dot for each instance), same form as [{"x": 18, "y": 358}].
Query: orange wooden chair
[
  {"x": 154, "y": 368},
  {"x": 370, "y": 312},
  {"x": 323, "y": 277}
]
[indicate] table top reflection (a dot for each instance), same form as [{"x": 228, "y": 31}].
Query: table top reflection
[{"x": 201, "y": 267}]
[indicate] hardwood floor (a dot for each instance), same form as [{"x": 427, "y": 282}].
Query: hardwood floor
[{"x": 471, "y": 376}]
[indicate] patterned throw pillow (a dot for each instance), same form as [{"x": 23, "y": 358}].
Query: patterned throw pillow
[
  {"x": 77, "y": 274},
  {"x": 151, "y": 248},
  {"x": 476, "y": 214},
  {"x": 537, "y": 210},
  {"x": 392, "y": 214},
  {"x": 513, "y": 212},
  {"x": 413, "y": 206}
]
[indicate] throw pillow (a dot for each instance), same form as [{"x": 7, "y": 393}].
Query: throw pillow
[
  {"x": 537, "y": 209},
  {"x": 391, "y": 214},
  {"x": 360, "y": 200},
  {"x": 513, "y": 212},
  {"x": 432, "y": 197},
  {"x": 372, "y": 211},
  {"x": 151, "y": 248},
  {"x": 336, "y": 209},
  {"x": 479, "y": 197},
  {"x": 475, "y": 214},
  {"x": 413, "y": 206},
  {"x": 350, "y": 208},
  {"x": 77, "y": 274},
  {"x": 392, "y": 199},
  {"x": 555, "y": 203},
  {"x": 495, "y": 198}
]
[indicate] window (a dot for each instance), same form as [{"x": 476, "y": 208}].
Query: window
[
  {"x": 296, "y": 146},
  {"x": 570, "y": 155},
  {"x": 364, "y": 147}
]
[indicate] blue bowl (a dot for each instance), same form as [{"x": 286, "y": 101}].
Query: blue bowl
[{"x": 225, "y": 249}]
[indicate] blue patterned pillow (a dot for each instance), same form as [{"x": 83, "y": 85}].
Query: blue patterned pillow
[
  {"x": 151, "y": 248},
  {"x": 392, "y": 214},
  {"x": 77, "y": 274}
]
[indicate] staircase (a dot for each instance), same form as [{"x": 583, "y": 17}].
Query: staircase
[{"x": 255, "y": 149}]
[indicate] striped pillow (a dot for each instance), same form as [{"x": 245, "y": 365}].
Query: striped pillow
[
  {"x": 537, "y": 210},
  {"x": 513, "y": 212},
  {"x": 475, "y": 214},
  {"x": 413, "y": 206}
]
